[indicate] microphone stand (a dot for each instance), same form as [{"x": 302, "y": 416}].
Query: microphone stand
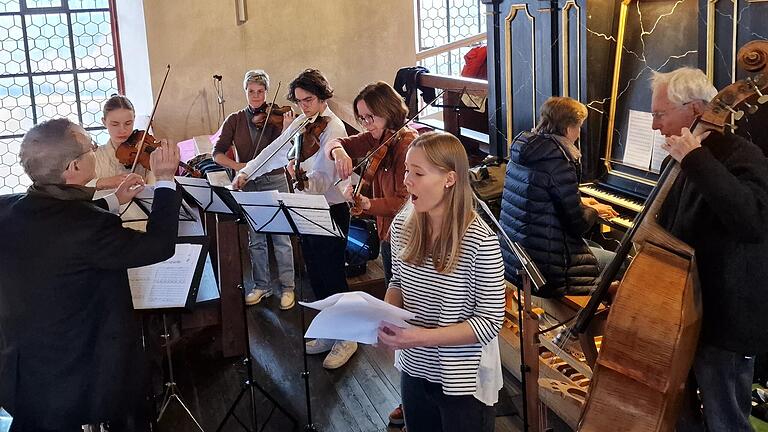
[
  {"x": 219, "y": 97},
  {"x": 530, "y": 275}
]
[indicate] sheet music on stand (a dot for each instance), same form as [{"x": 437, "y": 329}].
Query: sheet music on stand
[
  {"x": 136, "y": 213},
  {"x": 173, "y": 283},
  {"x": 270, "y": 212}
]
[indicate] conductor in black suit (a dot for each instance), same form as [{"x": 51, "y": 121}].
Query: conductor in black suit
[{"x": 69, "y": 344}]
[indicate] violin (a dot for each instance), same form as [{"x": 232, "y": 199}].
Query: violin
[
  {"x": 128, "y": 151},
  {"x": 309, "y": 144},
  {"x": 363, "y": 187},
  {"x": 275, "y": 114}
]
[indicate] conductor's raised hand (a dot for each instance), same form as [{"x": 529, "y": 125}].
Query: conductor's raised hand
[
  {"x": 164, "y": 161},
  {"x": 129, "y": 188}
]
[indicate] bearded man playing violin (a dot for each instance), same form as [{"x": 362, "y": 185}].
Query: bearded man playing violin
[
  {"x": 70, "y": 352},
  {"x": 719, "y": 206},
  {"x": 315, "y": 173},
  {"x": 249, "y": 131}
]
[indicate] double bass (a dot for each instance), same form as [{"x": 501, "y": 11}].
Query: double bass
[{"x": 652, "y": 330}]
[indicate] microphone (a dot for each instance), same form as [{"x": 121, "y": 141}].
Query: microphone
[{"x": 217, "y": 77}]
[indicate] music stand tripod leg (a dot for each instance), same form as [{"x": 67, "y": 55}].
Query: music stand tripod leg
[
  {"x": 310, "y": 426},
  {"x": 250, "y": 384},
  {"x": 171, "y": 389}
]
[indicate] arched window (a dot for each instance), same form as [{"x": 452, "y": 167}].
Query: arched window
[
  {"x": 446, "y": 30},
  {"x": 58, "y": 59}
]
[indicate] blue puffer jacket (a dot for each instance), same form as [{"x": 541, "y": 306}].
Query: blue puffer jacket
[{"x": 541, "y": 210}]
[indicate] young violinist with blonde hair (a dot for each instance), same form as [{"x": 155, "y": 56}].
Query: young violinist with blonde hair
[
  {"x": 119, "y": 117},
  {"x": 447, "y": 270}
]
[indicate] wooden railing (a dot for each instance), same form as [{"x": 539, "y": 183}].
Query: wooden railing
[{"x": 463, "y": 120}]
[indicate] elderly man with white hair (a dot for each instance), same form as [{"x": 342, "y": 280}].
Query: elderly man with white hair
[
  {"x": 719, "y": 206},
  {"x": 69, "y": 347}
]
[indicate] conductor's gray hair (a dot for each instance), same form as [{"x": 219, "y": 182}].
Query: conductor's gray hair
[
  {"x": 684, "y": 85},
  {"x": 47, "y": 149}
]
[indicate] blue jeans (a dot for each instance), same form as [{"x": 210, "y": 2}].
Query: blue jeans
[
  {"x": 281, "y": 243},
  {"x": 724, "y": 381},
  {"x": 428, "y": 409}
]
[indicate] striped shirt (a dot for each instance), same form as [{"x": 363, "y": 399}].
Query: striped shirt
[{"x": 473, "y": 292}]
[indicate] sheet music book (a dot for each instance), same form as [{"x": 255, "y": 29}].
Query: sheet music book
[
  {"x": 201, "y": 192},
  {"x": 172, "y": 283},
  {"x": 643, "y": 146},
  {"x": 310, "y": 213}
]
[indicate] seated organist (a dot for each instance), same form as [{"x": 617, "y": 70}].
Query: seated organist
[
  {"x": 541, "y": 206},
  {"x": 69, "y": 347}
]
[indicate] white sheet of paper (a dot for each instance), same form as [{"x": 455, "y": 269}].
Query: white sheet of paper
[
  {"x": 218, "y": 178},
  {"x": 639, "y": 145},
  {"x": 659, "y": 154},
  {"x": 263, "y": 211},
  {"x": 201, "y": 191},
  {"x": 165, "y": 284},
  {"x": 353, "y": 316}
]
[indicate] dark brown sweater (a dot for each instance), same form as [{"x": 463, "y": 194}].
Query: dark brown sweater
[{"x": 236, "y": 131}]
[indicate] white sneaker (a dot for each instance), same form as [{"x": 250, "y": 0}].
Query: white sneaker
[
  {"x": 256, "y": 295},
  {"x": 340, "y": 354},
  {"x": 319, "y": 346},
  {"x": 287, "y": 300}
]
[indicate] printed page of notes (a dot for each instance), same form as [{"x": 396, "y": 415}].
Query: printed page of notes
[
  {"x": 639, "y": 146},
  {"x": 165, "y": 284}
]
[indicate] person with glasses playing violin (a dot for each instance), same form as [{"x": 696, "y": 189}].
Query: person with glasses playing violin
[
  {"x": 323, "y": 256},
  {"x": 719, "y": 206},
  {"x": 249, "y": 132},
  {"x": 70, "y": 349},
  {"x": 381, "y": 111}
]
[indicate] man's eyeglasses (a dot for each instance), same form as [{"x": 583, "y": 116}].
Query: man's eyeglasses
[
  {"x": 93, "y": 148},
  {"x": 658, "y": 115},
  {"x": 365, "y": 119}
]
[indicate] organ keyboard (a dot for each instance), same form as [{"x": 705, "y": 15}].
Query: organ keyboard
[{"x": 627, "y": 203}]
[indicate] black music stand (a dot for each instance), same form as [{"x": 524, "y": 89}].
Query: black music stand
[
  {"x": 220, "y": 196},
  {"x": 170, "y": 300},
  {"x": 530, "y": 275},
  {"x": 297, "y": 219}
]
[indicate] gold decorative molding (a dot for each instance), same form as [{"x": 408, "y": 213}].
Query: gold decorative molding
[
  {"x": 711, "y": 6},
  {"x": 734, "y": 39},
  {"x": 567, "y": 48},
  {"x": 615, "y": 95},
  {"x": 508, "y": 61}
]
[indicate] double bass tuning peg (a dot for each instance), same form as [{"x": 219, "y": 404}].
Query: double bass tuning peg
[
  {"x": 751, "y": 109},
  {"x": 761, "y": 99},
  {"x": 737, "y": 115}
]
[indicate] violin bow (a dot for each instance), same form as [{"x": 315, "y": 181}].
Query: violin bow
[
  {"x": 373, "y": 152},
  {"x": 151, "y": 117},
  {"x": 290, "y": 137},
  {"x": 266, "y": 121}
]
